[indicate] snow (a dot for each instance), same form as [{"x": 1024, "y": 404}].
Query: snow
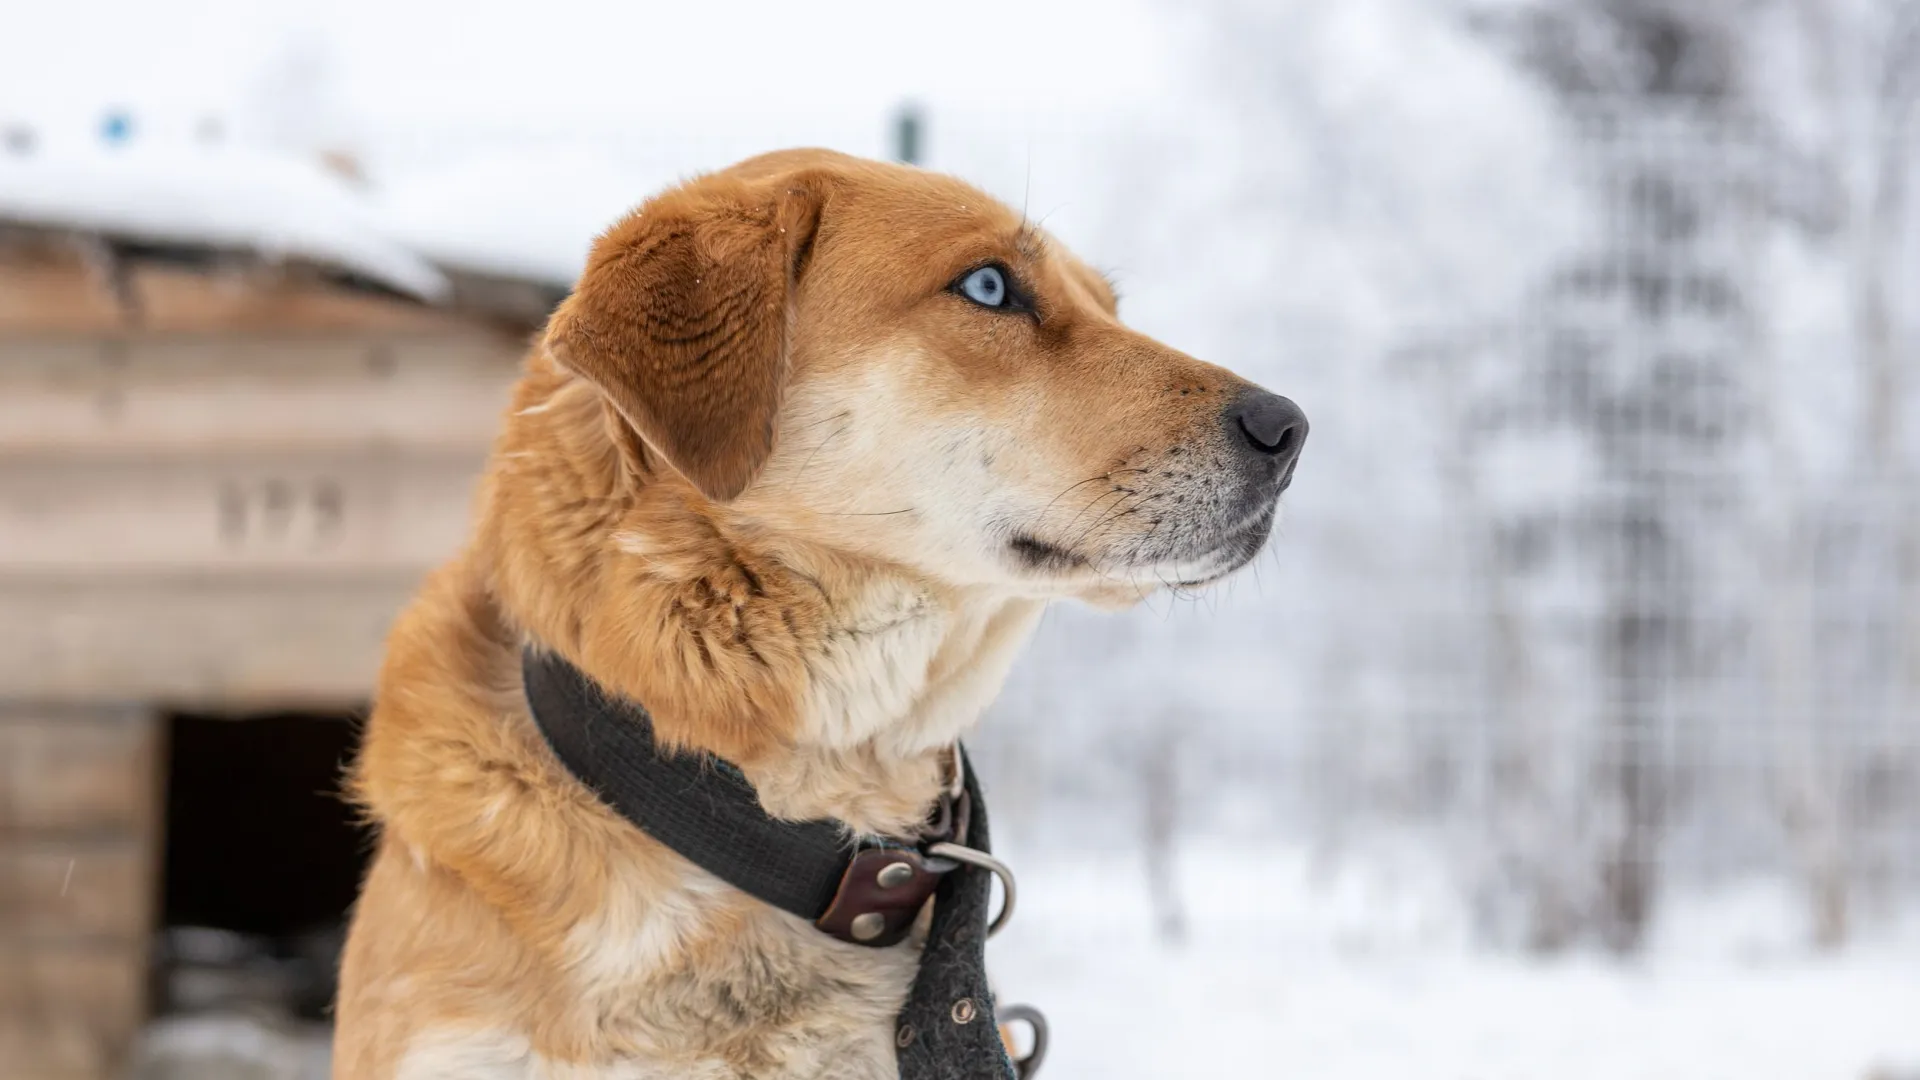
[
  {"x": 513, "y": 216},
  {"x": 1297, "y": 966},
  {"x": 1360, "y": 204},
  {"x": 1291, "y": 969},
  {"x": 231, "y": 1046},
  {"x": 224, "y": 197}
]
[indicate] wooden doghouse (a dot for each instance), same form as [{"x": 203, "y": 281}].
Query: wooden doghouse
[{"x": 219, "y": 480}]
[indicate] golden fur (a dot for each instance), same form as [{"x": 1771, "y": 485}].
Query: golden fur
[{"x": 768, "y": 474}]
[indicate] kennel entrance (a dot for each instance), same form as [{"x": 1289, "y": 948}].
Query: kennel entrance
[
  {"x": 218, "y": 483},
  {"x": 260, "y": 862}
]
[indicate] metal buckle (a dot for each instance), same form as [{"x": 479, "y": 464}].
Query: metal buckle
[
  {"x": 1027, "y": 1067},
  {"x": 962, "y": 854}
]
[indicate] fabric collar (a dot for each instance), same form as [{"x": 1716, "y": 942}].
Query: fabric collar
[
  {"x": 696, "y": 804},
  {"x": 862, "y": 890}
]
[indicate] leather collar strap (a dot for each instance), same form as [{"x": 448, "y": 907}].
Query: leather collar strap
[{"x": 705, "y": 810}]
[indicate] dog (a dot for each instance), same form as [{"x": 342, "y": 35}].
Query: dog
[{"x": 797, "y": 465}]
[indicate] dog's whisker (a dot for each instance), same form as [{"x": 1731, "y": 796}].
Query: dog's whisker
[
  {"x": 1112, "y": 512},
  {"x": 821, "y": 445},
  {"x": 1069, "y": 488},
  {"x": 868, "y": 513},
  {"x": 1095, "y": 501}
]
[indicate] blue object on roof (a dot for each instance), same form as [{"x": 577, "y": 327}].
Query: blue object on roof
[{"x": 116, "y": 127}]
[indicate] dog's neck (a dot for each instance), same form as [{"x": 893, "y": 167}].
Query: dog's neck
[
  {"x": 887, "y": 702},
  {"x": 836, "y": 684}
]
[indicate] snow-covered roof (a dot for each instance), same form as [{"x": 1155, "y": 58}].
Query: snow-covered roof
[
  {"x": 217, "y": 197},
  {"x": 525, "y": 218},
  {"x": 529, "y": 218}
]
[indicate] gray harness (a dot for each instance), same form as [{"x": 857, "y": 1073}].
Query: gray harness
[{"x": 865, "y": 891}]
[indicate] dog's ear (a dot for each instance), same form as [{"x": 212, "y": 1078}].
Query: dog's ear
[{"x": 682, "y": 320}]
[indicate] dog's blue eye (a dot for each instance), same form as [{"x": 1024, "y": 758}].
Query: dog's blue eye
[{"x": 986, "y": 286}]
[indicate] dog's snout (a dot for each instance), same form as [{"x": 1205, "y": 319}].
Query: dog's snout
[{"x": 1270, "y": 425}]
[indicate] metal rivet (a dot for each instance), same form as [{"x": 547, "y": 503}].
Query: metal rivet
[
  {"x": 869, "y": 926},
  {"x": 963, "y": 1011},
  {"x": 894, "y": 874},
  {"x": 905, "y": 1036}
]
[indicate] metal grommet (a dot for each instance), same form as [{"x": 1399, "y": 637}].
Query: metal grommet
[
  {"x": 868, "y": 926},
  {"x": 1028, "y": 1066},
  {"x": 905, "y": 1036},
  {"x": 893, "y": 875},
  {"x": 972, "y": 857},
  {"x": 964, "y": 1011}
]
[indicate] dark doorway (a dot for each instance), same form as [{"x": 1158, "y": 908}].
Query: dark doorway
[{"x": 262, "y": 860}]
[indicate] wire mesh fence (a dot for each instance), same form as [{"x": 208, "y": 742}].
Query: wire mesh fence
[{"x": 1631, "y": 602}]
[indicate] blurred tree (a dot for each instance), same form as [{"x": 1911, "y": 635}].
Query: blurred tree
[
  {"x": 1650, "y": 348},
  {"x": 1160, "y": 803},
  {"x": 1640, "y": 352},
  {"x": 1858, "y": 543}
]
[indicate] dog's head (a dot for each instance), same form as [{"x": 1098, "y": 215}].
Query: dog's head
[{"x": 888, "y": 362}]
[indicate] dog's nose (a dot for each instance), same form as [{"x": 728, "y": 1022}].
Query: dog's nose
[{"x": 1271, "y": 425}]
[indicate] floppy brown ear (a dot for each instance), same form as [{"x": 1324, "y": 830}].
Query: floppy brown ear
[{"x": 682, "y": 319}]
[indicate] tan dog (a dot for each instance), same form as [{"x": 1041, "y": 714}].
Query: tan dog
[{"x": 797, "y": 466}]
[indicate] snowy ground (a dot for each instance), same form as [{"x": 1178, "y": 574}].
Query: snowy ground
[
  {"x": 1297, "y": 970},
  {"x": 1291, "y": 973}
]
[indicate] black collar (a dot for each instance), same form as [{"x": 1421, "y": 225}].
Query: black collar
[{"x": 863, "y": 890}]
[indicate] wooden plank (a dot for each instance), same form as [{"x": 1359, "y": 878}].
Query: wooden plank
[
  {"x": 55, "y": 296},
  {"x": 96, "y": 890},
  {"x": 56, "y": 1048},
  {"x": 255, "y": 642},
  {"x": 240, "y": 514},
  {"x": 69, "y": 1010},
  {"x": 102, "y": 980},
  {"x": 244, "y": 393},
  {"x": 69, "y": 771},
  {"x": 49, "y": 287},
  {"x": 75, "y": 909},
  {"x": 248, "y": 298}
]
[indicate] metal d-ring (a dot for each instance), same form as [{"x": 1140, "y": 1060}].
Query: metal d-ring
[
  {"x": 961, "y": 853},
  {"x": 1025, "y": 1068}
]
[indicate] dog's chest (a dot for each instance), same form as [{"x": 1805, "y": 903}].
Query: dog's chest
[
  {"x": 777, "y": 1002},
  {"x": 506, "y": 1055},
  {"x": 699, "y": 981}
]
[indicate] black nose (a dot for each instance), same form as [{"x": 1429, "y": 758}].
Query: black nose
[{"x": 1272, "y": 425}]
